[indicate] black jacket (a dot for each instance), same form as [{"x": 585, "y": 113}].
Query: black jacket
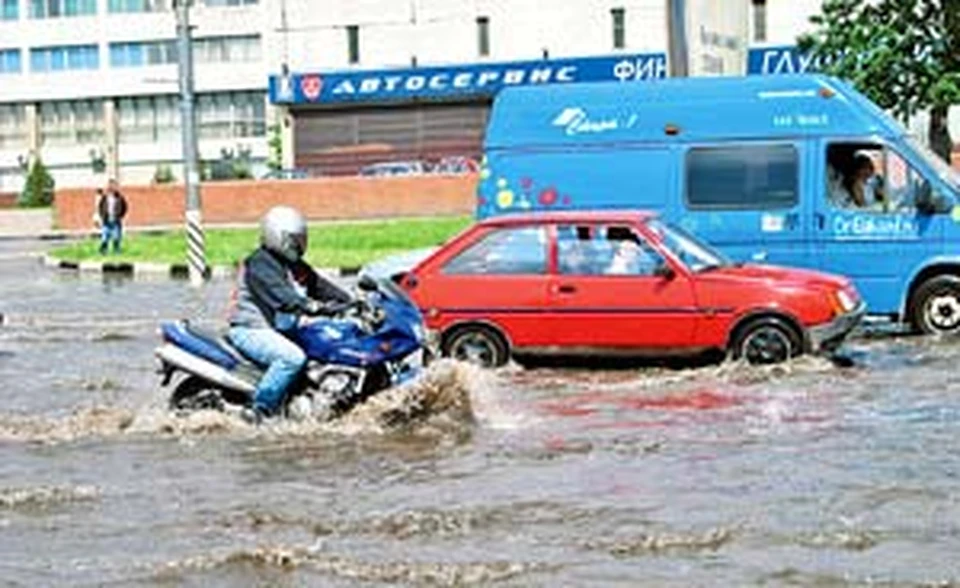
[
  {"x": 264, "y": 291},
  {"x": 102, "y": 207}
]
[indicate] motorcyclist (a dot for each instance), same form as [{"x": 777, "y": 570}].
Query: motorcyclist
[{"x": 275, "y": 289}]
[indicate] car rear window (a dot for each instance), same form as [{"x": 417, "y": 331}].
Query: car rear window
[
  {"x": 742, "y": 177},
  {"x": 513, "y": 251}
]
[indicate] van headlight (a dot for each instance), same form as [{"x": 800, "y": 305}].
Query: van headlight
[{"x": 847, "y": 303}]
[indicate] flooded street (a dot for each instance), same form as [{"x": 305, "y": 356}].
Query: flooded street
[{"x": 808, "y": 474}]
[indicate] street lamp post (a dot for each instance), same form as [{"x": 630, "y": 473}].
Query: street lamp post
[
  {"x": 196, "y": 256},
  {"x": 678, "y": 50}
]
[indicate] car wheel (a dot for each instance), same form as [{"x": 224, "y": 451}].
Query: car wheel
[
  {"x": 477, "y": 344},
  {"x": 936, "y": 306},
  {"x": 766, "y": 341}
]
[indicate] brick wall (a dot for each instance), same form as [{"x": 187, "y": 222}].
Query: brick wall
[
  {"x": 324, "y": 198},
  {"x": 8, "y": 200}
]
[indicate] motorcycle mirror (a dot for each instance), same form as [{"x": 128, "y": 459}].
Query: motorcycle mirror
[{"x": 368, "y": 284}]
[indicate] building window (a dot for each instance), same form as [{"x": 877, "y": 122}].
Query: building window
[
  {"x": 10, "y": 61},
  {"x": 13, "y": 126},
  {"x": 146, "y": 53},
  {"x": 619, "y": 20},
  {"x": 229, "y": 2},
  {"x": 227, "y": 49},
  {"x": 353, "y": 44},
  {"x": 9, "y": 9},
  {"x": 61, "y": 8},
  {"x": 74, "y": 57},
  {"x": 139, "y": 5},
  {"x": 748, "y": 177},
  {"x": 483, "y": 36},
  {"x": 222, "y": 115},
  {"x": 759, "y": 20},
  {"x": 69, "y": 122}
]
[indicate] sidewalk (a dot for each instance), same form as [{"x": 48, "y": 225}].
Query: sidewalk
[{"x": 25, "y": 223}]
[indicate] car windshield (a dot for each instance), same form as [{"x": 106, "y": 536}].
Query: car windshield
[
  {"x": 695, "y": 254},
  {"x": 941, "y": 167}
]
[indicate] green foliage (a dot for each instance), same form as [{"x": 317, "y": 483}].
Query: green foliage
[
  {"x": 232, "y": 165},
  {"x": 275, "y": 144},
  {"x": 38, "y": 189},
  {"x": 163, "y": 174},
  {"x": 902, "y": 54},
  {"x": 98, "y": 162},
  {"x": 331, "y": 244}
]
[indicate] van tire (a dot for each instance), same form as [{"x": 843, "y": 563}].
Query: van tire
[
  {"x": 766, "y": 340},
  {"x": 935, "y": 306},
  {"x": 477, "y": 344}
]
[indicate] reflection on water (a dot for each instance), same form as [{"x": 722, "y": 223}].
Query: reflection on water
[{"x": 810, "y": 473}]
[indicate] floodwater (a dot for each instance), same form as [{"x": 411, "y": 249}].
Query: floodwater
[{"x": 808, "y": 474}]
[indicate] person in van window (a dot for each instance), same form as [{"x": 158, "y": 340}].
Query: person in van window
[{"x": 864, "y": 185}]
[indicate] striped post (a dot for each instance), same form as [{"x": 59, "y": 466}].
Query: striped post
[
  {"x": 196, "y": 254},
  {"x": 196, "y": 249}
]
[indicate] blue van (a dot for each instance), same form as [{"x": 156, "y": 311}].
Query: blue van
[{"x": 789, "y": 170}]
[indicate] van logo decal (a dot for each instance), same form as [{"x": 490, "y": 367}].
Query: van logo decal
[{"x": 575, "y": 121}]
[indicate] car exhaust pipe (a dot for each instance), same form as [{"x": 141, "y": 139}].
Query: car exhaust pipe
[{"x": 192, "y": 364}]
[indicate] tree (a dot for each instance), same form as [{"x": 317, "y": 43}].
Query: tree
[
  {"x": 902, "y": 54},
  {"x": 38, "y": 189}
]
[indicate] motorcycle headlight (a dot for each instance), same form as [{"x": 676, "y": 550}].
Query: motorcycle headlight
[
  {"x": 847, "y": 303},
  {"x": 419, "y": 332}
]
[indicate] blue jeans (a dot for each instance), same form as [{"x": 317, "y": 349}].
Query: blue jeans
[
  {"x": 111, "y": 231},
  {"x": 270, "y": 348}
]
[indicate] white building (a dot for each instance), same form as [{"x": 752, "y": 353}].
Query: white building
[
  {"x": 81, "y": 79},
  {"x": 84, "y": 79}
]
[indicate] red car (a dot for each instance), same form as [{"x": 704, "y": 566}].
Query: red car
[{"x": 618, "y": 283}]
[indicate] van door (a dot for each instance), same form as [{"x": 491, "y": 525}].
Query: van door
[
  {"x": 745, "y": 200},
  {"x": 865, "y": 222}
]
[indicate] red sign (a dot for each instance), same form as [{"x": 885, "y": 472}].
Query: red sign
[{"x": 311, "y": 87}]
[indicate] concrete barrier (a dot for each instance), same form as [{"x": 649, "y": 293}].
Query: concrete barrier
[{"x": 319, "y": 199}]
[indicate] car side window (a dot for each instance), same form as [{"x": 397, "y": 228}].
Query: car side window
[
  {"x": 742, "y": 177},
  {"x": 868, "y": 177},
  {"x": 594, "y": 250},
  {"x": 510, "y": 251}
]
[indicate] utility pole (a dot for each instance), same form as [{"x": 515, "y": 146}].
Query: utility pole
[
  {"x": 678, "y": 50},
  {"x": 196, "y": 256}
]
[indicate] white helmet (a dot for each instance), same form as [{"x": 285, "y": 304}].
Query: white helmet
[{"x": 283, "y": 230}]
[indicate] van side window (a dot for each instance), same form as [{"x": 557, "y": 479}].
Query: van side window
[
  {"x": 512, "y": 251},
  {"x": 594, "y": 250},
  {"x": 742, "y": 177},
  {"x": 867, "y": 177}
]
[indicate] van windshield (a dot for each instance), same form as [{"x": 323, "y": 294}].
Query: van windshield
[
  {"x": 941, "y": 167},
  {"x": 695, "y": 254}
]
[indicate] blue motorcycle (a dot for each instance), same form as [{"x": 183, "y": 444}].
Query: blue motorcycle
[{"x": 378, "y": 342}]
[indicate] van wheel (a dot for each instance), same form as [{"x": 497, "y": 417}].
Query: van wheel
[
  {"x": 477, "y": 344},
  {"x": 935, "y": 308},
  {"x": 765, "y": 341}
]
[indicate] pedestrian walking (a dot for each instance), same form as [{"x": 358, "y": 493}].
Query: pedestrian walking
[{"x": 111, "y": 208}]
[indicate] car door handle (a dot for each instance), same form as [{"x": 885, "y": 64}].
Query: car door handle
[{"x": 566, "y": 289}]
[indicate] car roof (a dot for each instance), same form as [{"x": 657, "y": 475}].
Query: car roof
[{"x": 593, "y": 216}]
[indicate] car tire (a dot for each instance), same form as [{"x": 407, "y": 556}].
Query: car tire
[
  {"x": 765, "y": 341},
  {"x": 477, "y": 344},
  {"x": 935, "y": 306}
]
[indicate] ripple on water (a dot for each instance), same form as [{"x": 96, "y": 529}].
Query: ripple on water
[
  {"x": 42, "y": 497},
  {"x": 312, "y": 558}
]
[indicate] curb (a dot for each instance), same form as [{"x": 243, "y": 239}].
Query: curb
[{"x": 177, "y": 271}]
